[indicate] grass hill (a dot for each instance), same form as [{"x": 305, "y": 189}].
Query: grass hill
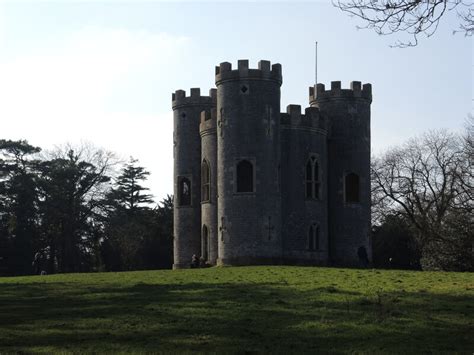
[{"x": 242, "y": 309}]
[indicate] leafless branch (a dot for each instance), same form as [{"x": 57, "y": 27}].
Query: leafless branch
[{"x": 414, "y": 17}]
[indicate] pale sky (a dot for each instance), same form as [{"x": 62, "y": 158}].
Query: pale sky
[{"x": 103, "y": 72}]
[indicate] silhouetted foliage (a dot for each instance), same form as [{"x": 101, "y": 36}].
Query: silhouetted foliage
[
  {"x": 62, "y": 212},
  {"x": 69, "y": 200},
  {"x": 158, "y": 251},
  {"x": 18, "y": 204},
  {"x": 414, "y": 17},
  {"x": 394, "y": 244},
  {"x": 135, "y": 235},
  {"x": 429, "y": 182}
]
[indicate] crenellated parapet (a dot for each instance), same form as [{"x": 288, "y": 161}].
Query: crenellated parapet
[
  {"x": 310, "y": 120},
  {"x": 319, "y": 93},
  {"x": 208, "y": 123},
  {"x": 265, "y": 71},
  {"x": 179, "y": 98}
]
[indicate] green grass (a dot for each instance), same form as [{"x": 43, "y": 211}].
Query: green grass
[{"x": 244, "y": 309}]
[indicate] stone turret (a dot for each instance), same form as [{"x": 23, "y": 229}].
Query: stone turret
[
  {"x": 209, "y": 185},
  {"x": 187, "y": 172},
  {"x": 248, "y": 155},
  {"x": 348, "y": 113}
]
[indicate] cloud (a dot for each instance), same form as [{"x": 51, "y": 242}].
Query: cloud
[
  {"x": 79, "y": 73},
  {"x": 68, "y": 90}
]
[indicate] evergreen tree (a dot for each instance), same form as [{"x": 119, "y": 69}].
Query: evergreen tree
[
  {"x": 128, "y": 222},
  {"x": 71, "y": 194},
  {"x": 129, "y": 193},
  {"x": 18, "y": 204}
]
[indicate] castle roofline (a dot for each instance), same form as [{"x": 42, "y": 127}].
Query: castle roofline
[
  {"x": 356, "y": 91},
  {"x": 311, "y": 119},
  {"x": 179, "y": 98},
  {"x": 265, "y": 71}
]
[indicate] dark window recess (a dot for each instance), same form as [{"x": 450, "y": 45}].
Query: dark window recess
[
  {"x": 183, "y": 115},
  {"x": 352, "y": 188},
  {"x": 184, "y": 191},
  {"x": 309, "y": 180},
  {"x": 313, "y": 237},
  {"x": 205, "y": 245},
  {"x": 206, "y": 181},
  {"x": 244, "y": 176},
  {"x": 312, "y": 178},
  {"x": 244, "y": 89}
]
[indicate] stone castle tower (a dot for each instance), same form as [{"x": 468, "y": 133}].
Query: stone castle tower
[{"x": 253, "y": 185}]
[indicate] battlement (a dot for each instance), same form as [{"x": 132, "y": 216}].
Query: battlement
[
  {"x": 208, "y": 121},
  {"x": 265, "y": 71},
  {"x": 318, "y": 92},
  {"x": 311, "y": 119},
  {"x": 179, "y": 98}
]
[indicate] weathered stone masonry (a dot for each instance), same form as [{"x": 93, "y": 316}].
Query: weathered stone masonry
[{"x": 253, "y": 185}]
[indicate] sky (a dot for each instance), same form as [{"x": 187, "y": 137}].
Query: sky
[{"x": 103, "y": 72}]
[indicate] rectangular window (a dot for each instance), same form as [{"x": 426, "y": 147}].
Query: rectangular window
[{"x": 184, "y": 191}]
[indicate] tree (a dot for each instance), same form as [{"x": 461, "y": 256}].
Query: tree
[
  {"x": 158, "y": 249},
  {"x": 18, "y": 203},
  {"x": 73, "y": 184},
  {"x": 129, "y": 219},
  {"x": 414, "y": 17},
  {"x": 130, "y": 194},
  {"x": 428, "y": 181},
  {"x": 394, "y": 244}
]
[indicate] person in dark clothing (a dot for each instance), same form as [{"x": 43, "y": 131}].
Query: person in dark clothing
[
  {"x": 194, "y": 261},
  {"x": 363, "y": 257}
]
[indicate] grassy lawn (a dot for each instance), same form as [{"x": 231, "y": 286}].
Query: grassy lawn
[{"x": 263, "y": 309}]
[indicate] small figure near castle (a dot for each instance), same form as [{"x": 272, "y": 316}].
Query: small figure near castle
[{"x": 253, "y": 185}]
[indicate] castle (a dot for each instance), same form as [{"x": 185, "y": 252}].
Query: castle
[{"x": 253, "y": 185}]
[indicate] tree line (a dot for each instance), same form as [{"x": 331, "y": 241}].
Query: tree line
[
  {"x": 423, "y": 199},
  {"x": 78, "y": 210}
]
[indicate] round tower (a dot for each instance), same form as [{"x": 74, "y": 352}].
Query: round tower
[
  {"x": 208, "y": 133},
  {"x": 187, "y": 173},
  {"x": 248, "y": 155},
  {"x": 348, "y": 114}
]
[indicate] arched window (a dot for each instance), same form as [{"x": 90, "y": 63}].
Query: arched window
[
  {"x": 351, "y": 187},
  {"x": 313, "y": 237},
  {"x": 205, "y": 245},
  {"x": 312, "y": 178},
  {"x": 184, "y": 191},
  {"x": 244, "y": 176},
  {"x": 205, "y": 181}
]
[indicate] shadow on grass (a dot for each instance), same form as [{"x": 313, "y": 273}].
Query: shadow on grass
[{"x": 229, "y": 317}]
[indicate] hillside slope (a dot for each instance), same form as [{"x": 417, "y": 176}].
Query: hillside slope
[{"x": 277, "y": 309}]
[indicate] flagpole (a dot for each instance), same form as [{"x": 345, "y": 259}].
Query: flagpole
[{"x": 316, "y": 65}]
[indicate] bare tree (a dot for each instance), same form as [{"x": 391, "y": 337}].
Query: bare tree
[
  {"x": 414, "y": 17},
  {"x": 429, "y": 181}
]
